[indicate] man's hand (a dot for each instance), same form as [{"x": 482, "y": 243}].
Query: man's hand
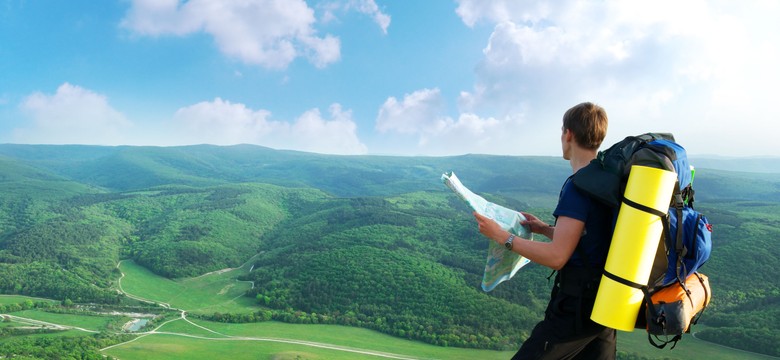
[
  {"x": 538, "y": 226},
  {"x": 491, "y": 229},
  {"x": 533, "y": 223}
]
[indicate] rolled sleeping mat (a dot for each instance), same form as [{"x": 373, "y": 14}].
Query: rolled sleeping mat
[{"x": 634, "y": 243}]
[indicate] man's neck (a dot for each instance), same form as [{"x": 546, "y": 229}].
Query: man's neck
[{"x": 581, "y": 158}]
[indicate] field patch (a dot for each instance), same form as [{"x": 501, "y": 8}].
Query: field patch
[
  {"x": 87, "y": 322},
  {"x": 214, "y": 292},
  {"x": 17, "y": 299},
  {"x": 274, "y": 340}
]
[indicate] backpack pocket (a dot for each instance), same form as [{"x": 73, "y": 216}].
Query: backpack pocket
[
  {"x": 696, "y": 244},
  {"x": 674, "y": 308}
]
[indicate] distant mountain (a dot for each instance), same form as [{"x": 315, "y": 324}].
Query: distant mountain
[
  {"x": 743, "y": 164},
  {"x": 127, "y": 168}
]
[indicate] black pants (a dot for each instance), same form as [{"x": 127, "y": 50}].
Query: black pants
[{"x": 567, "y": 331}]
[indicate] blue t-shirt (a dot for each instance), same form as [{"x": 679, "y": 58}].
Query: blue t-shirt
[{"x": 598, "y": 219}]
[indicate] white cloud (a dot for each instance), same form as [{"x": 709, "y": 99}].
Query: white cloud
[
  {"x": 370, "y": 8},
  {"x": 468, "y": 134},
  {"x": 224, "y": 123},
  {"x": 422, "y": 116},
  {"x": 311, "y": 132},
  {"x": 72, "y": 115},
  {"x": 269, "y": 33},
  {"x": 221, "y": 122},
  {"x": 367, "y": 7},
  {"x": 696, "y": 68},
  {"x": 418, "y": 112}
]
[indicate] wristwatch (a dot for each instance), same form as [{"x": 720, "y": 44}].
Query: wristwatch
[{"x": 508, "y": 243}]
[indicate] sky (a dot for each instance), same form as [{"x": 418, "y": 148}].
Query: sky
[{"x": 381, "y": 77}]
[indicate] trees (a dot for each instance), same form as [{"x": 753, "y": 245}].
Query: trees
[{"x": 66, "y": 348}]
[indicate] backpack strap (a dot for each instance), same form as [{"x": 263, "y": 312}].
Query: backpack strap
[
  {"x": 662, "y": 343},
  {"x": 644, "y": 208},
  {"x": 679, "y": 248},
  {"x": 695, "y": 320},
  {"x": 660, "y": 319}
]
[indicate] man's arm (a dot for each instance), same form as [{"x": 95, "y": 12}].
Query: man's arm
[{"x": 553, "y": 254}]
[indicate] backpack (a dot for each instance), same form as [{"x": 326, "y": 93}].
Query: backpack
[{"x": 686, "y": 240}]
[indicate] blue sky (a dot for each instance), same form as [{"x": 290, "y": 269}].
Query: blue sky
[{"x": 434, "y": 77}]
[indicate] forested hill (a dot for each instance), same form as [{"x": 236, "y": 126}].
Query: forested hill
[
  {"x": 372, "y": 241},
  {"x": 125, "y": 168},
  {"x": 130, "y": 168},
  {"x": 766, "y": 164}
]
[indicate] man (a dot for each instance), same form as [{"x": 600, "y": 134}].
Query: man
[{"x": 578, "y": 250}]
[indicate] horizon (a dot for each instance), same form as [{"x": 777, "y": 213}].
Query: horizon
[
  {"x": 374, "y": 77},
  {"x": 697, "y": 156}
]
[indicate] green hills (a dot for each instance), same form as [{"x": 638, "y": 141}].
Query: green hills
[{"x": 369, "y": 241}]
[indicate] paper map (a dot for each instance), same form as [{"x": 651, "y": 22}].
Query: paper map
[{"x": 501, "y": 264}]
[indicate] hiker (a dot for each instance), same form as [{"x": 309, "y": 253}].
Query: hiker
[{"x": 578, "y": 249}]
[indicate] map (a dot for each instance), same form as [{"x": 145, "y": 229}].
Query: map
[{"x": 501, "y": 264}]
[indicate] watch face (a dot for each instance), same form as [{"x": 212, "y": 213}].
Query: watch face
[{"x": 508, "y": 244}]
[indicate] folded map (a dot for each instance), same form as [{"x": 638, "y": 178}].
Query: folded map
[{"x": 501, "y": 264}]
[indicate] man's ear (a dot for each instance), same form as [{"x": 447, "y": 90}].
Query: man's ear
[{"x": 568, "y": 135}]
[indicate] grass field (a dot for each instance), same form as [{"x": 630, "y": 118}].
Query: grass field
[
  {"x": 181, "y": 326},
  {"x": 198, "y": 339},
  {"x": 16, "y": 299},
  {"x": 688, "y": 348},
  {"x": 262, "y": 341},
  {"x": 87, "y": 322},
  {"x": 215, "y": 292},
  {"x": 272, "y": 340},
  {"x": 171, "y": 347}
]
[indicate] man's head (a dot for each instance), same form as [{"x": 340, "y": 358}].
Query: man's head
[{"x": 587, "y": 123}]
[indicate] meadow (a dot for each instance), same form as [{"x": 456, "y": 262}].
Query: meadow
[
  {"x": 214, "y": 292},
  {"x": 199, "y": 339}
]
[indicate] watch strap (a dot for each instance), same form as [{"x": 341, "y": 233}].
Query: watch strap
[{"x": 508, "y": 242}]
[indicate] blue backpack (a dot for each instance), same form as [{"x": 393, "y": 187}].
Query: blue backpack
[{"x": 687, "y": 235}]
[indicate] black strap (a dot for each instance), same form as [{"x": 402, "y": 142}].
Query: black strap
[
  {"x": 679, "y": 248},
  {"x": 644, "y": 208},
  {"x": 663, "y": 344},
  {"x": 695, "y": 320},
  {"x": 623, "y": 281},
  {"x": 551, "y": 275},
  {"x": 645, "y": 291}
]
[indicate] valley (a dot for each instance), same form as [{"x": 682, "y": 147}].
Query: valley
[{"x": 365, "y": 253}]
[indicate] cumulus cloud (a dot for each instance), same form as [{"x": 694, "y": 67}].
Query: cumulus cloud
[
  {"x": 421, "y": 115},
  {"x": 367, "y": 7},
  {"x": 221, "y": 122},
  {"x": 538, "y": 50},
  {"x": 652, "y": 68},
  {"x": 269, "y": 33},
  {"x": 72, "y": 115},
  {"x": 224, "y": 123},
  {"x": 418, "y": 112}
]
